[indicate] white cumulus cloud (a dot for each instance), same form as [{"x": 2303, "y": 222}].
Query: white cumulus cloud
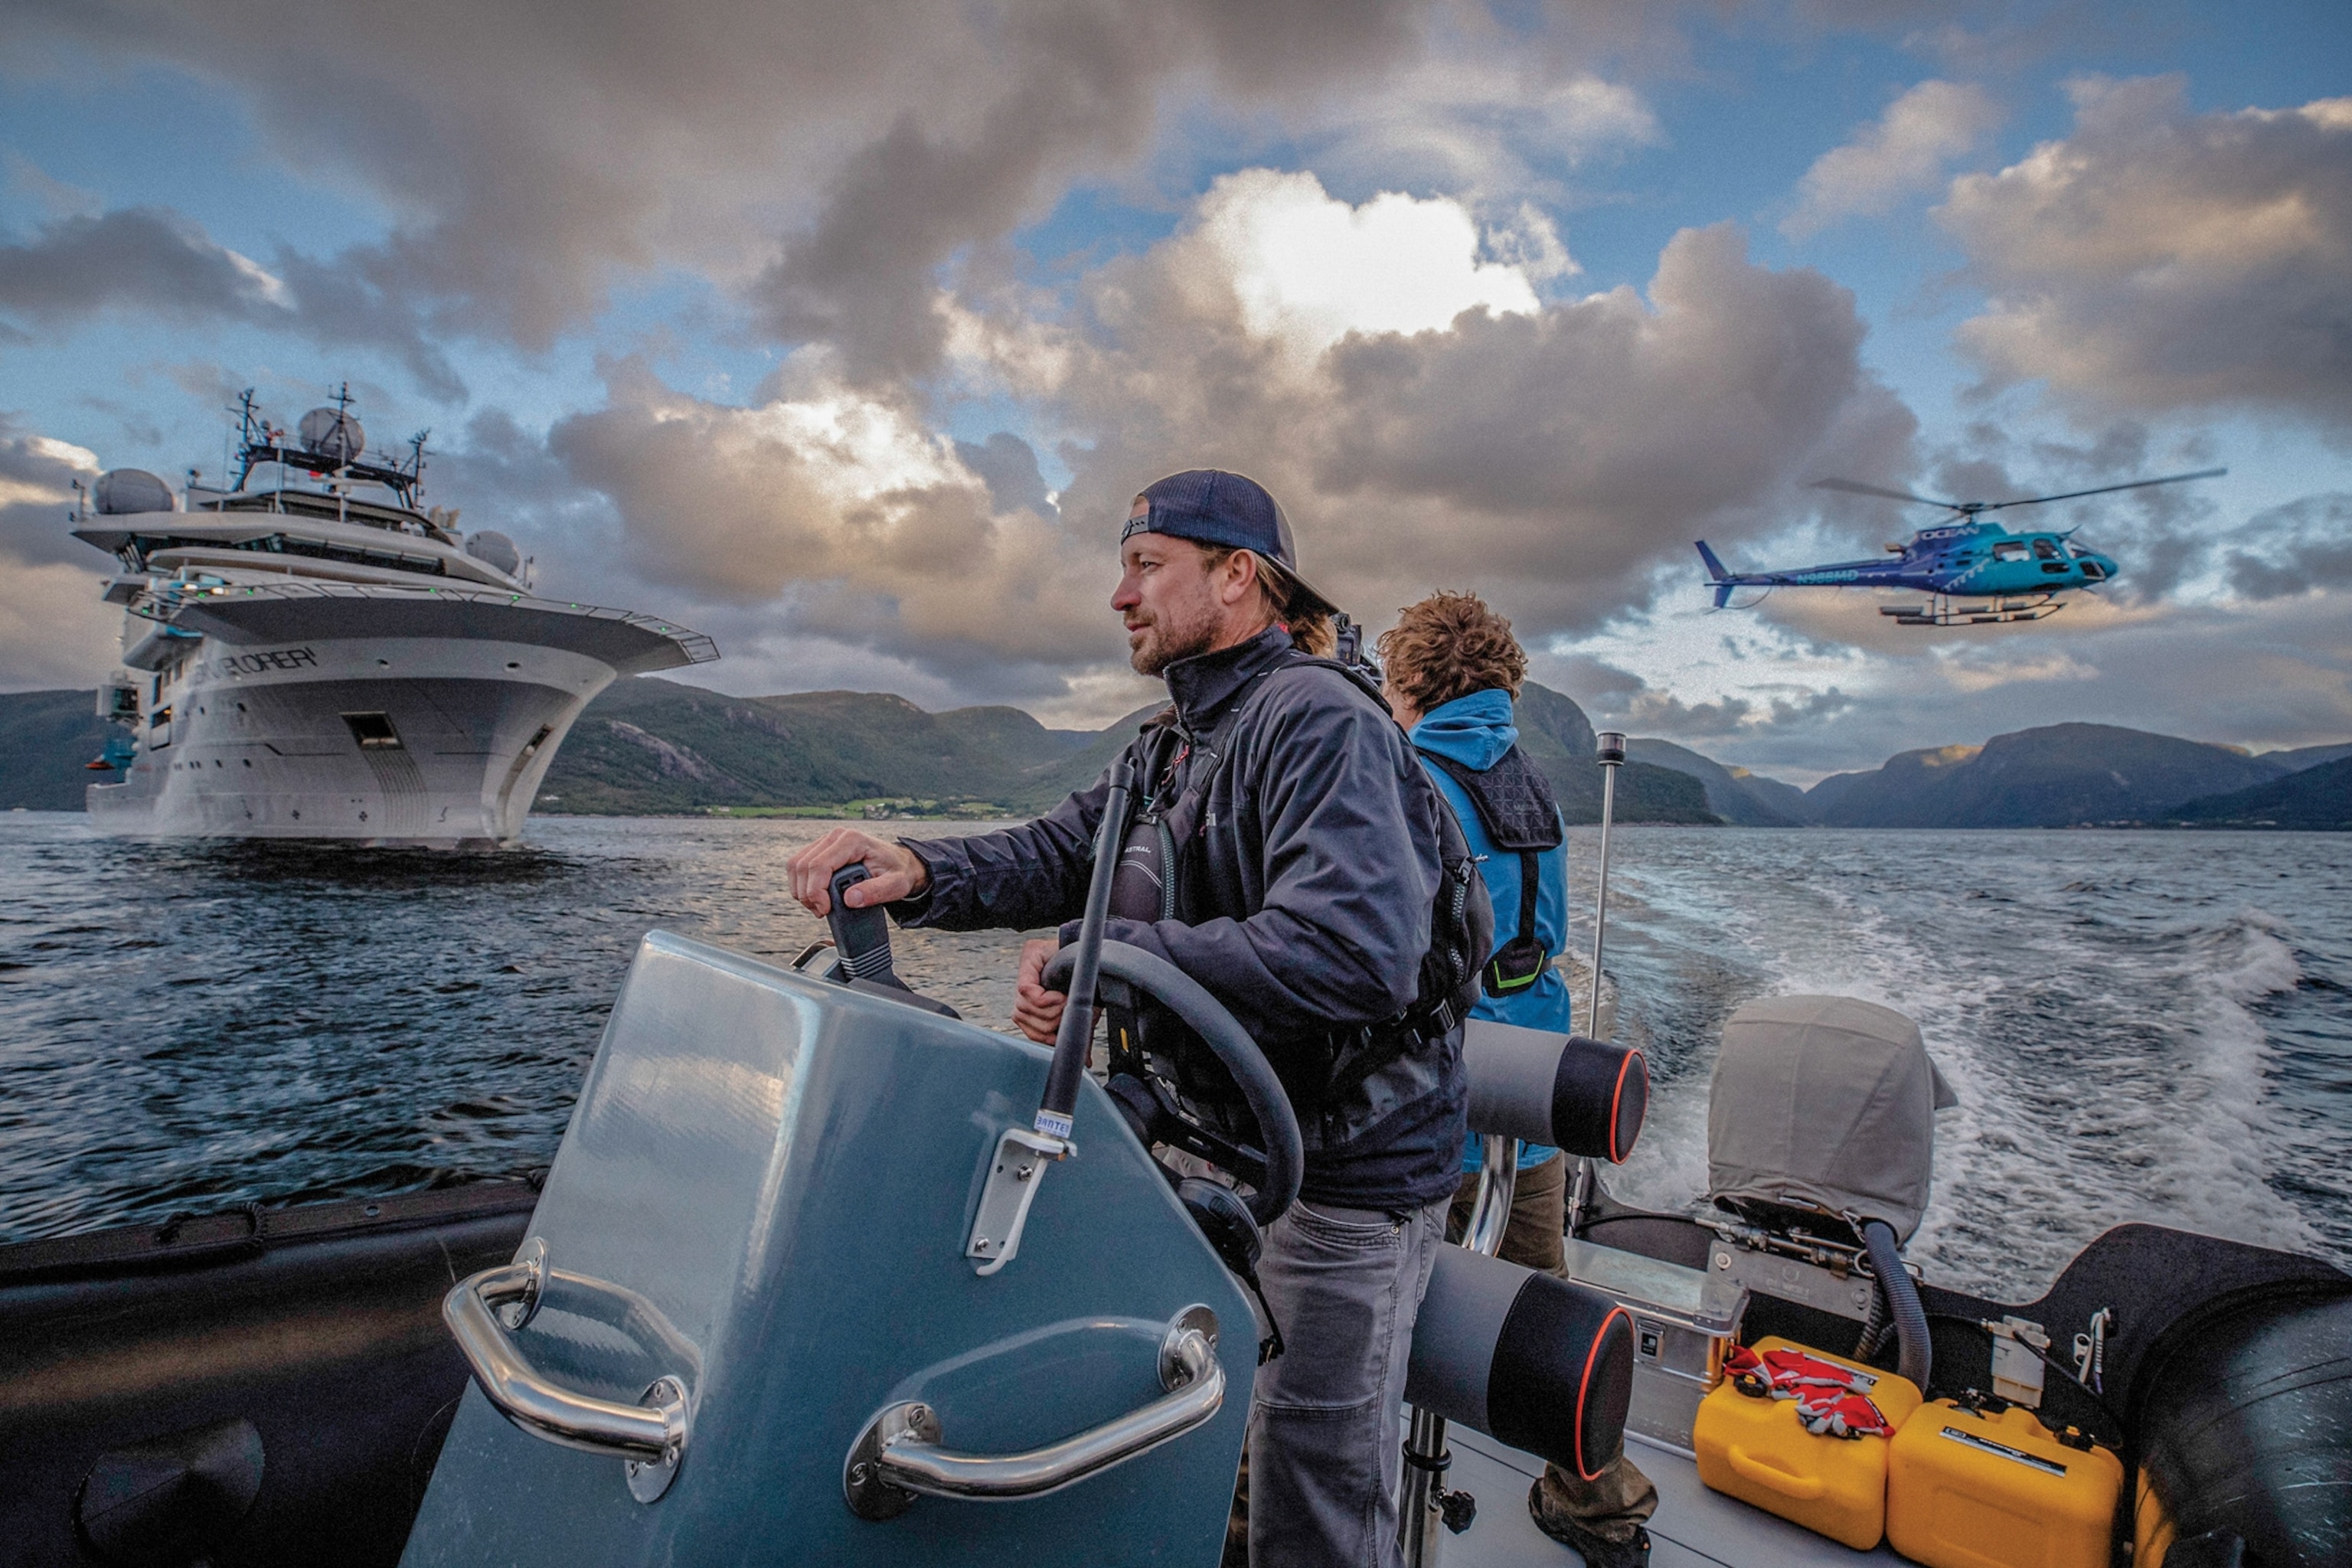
[
  {"x": 2159, "y": 258},
  {"x": 1308, "y": 268},
  {"x": 1903, "y": 153}
]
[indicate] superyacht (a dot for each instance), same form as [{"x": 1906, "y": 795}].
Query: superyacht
[{"x": 308, "y": 653}]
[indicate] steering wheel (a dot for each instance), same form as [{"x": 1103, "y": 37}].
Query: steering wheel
[{"x": 1284, "y": 1158}]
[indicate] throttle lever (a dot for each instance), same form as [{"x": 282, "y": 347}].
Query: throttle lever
[{"x": 862, "y": 937}]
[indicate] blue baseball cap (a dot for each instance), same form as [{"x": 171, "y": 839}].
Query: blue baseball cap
[{"x": 1210, "y": 506}]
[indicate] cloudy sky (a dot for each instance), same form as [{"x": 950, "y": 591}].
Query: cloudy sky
[{"x": 843, "y": 332}]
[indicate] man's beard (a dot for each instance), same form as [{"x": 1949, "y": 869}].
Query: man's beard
[{"x": 1165, "y": 643}]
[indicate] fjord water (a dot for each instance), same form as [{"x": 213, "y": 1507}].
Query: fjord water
[{"x": 2140, "y": 1025}]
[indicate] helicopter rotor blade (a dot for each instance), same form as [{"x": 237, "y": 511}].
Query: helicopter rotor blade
[
  {"x": 2105, "y": 490},
  {"x": 1855, "y": 487}
]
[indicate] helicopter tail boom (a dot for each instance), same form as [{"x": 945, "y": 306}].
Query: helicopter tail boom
[{"x": 1723, "y": 582}]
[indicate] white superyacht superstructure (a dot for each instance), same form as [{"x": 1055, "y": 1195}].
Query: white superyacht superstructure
[{"x": 308, "y": 654}]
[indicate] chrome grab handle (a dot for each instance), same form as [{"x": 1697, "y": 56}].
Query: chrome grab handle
[
  {"x": 898, "y": 1454},
  {"x": 650, "y": 1434}
]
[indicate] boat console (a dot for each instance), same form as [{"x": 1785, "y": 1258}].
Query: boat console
[{"x": 805, "y": 1268}]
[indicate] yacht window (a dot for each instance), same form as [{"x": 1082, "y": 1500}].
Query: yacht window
[{"x": 373, "y": 731}]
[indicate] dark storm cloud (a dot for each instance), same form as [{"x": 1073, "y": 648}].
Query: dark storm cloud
[
  {"x": 2157, "y": 259},
  {"x": 36, "y": 481},
  {"x": 534, "y": 153},
  {"x": 149, "y": 258},
  {"x": 1008, "y": 466},
  {"x": 1077, "y": 91},
  {"x": 1549, "y": 459},
  {"x": 141, "y": 256},
  {"x": 2293, "y": 549},
  {"x": 53, "y": 629}
]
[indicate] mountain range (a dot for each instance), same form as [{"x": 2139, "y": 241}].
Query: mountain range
[{"x": 652, "y": 746}]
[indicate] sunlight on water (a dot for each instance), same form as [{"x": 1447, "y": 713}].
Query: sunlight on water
[{"x": 2140, "y": 1025}]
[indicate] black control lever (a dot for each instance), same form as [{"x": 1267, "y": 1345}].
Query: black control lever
[{"x": 862, "y": 937}]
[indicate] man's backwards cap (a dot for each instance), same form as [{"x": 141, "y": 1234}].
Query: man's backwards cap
[{"x": 1210, "y": 506}]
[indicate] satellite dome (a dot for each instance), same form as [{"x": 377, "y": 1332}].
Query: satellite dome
[
  {"x": 495, "y": 550},
  {"x": 122, "y": 491},
  {"x": 332, "y": 433}
]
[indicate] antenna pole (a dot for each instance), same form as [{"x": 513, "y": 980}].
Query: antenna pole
[
  {"x": 1610, "y": 752},
  {"x": 1611, "y": 756}
]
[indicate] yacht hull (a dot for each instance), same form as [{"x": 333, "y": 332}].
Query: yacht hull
[{"x": 433, "y": 742}]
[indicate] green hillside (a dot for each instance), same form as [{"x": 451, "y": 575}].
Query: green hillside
[
  {"x": 649, "y": 745},
  {"x": 2060, "y": 775},
  {"x": 1553, "y": 732},
  {"x": 2316, "y": 798},
  {"x": 1734, "y": 794},
  {"x": 47, "y": 737}
]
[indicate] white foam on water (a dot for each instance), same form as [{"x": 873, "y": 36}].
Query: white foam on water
[{"x": 2105, "y": 1045}]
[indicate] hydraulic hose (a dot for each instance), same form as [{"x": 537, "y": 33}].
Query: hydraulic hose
[
  {"x": 1918, "y": 1355},
  {"x": 1253, "y": 1074}
]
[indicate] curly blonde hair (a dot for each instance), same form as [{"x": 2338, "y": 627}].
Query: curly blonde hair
[{"x": 1448, "y": 646}]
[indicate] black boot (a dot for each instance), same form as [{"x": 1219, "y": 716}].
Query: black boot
[{"x": 1597, "y": 1551}]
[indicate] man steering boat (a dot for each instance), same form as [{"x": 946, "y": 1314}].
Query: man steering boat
[{"x": 1306, "y": 873}]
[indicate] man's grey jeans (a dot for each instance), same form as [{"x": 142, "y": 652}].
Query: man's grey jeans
[{"x": 1344, "y": 1285}]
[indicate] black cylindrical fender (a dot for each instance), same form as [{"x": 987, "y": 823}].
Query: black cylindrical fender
[
  {"x": 1533, "y": 1361},
  {"x": 2245, "y": 1432},
  {"x": 1585, "y": 1096}
]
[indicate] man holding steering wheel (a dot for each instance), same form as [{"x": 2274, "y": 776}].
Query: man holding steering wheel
[{"x": 1301, "y": 882}]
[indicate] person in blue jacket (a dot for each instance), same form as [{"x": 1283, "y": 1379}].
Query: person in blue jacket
[{"x": 1452, "y": 670}]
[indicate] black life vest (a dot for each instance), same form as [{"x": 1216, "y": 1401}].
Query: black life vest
[
  {"x": 1151, "y": 885},
  {"x": 1516, "y": 806}
]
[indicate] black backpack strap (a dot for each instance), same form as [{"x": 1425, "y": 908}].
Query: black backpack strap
[
  {"x": 1514, "y": 799},
  {"x": 1516, "y": 806}
]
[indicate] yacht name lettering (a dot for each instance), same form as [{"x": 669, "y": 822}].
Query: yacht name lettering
[{"x": 257, "y": 663}]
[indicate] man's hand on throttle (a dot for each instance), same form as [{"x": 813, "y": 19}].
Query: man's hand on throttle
[
  {"x": 893, "y": 871},
  {"x": 1037, "y": 1012}
]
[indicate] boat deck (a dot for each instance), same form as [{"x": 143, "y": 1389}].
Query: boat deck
[{"x": 1693, "y": 1528}]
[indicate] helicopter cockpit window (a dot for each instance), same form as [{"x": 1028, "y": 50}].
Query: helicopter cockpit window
[
  {"x": 2009, "y": 549},
  {"x": 2044, "y": 550}
]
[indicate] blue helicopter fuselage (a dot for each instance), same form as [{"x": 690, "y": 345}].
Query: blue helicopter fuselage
[{"x": 1962, "y": 560}]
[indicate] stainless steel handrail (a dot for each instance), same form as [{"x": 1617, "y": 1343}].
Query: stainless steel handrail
[
  {"x": 654, "y": 1432},
  {"x": 898, "y": 1454}
]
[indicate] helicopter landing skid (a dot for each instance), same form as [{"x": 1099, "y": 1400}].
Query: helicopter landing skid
[{"x": 1943, "y": 610}]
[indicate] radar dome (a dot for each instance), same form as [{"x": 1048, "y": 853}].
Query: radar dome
[
  {"x": 495, "y": 550},
  {"x": 332, "y": 433},
  {"x": 122, "y": 491}
]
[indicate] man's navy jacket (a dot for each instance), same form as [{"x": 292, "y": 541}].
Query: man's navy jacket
[{"x": 1313, "y": 871}]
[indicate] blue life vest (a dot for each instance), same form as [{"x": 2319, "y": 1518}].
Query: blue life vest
[{"x": 1475, "y": 733}]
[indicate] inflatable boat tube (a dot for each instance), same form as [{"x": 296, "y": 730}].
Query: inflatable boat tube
[
  {"x": 2245, "y": 1434},
  {"x": 1533, "y": 1361},
  {"x": 1584, "y": 1096}
]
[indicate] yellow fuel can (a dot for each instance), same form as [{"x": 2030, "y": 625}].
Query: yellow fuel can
[
  {"x": 1758, "y": 1451},
  {"x": 1971, "y": 1488}
]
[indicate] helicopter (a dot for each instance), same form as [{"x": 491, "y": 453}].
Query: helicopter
[{"x": 1974, "y": 570}]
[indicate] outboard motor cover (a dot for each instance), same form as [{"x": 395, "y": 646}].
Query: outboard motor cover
[{"x": 1823, "y": 1104}]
